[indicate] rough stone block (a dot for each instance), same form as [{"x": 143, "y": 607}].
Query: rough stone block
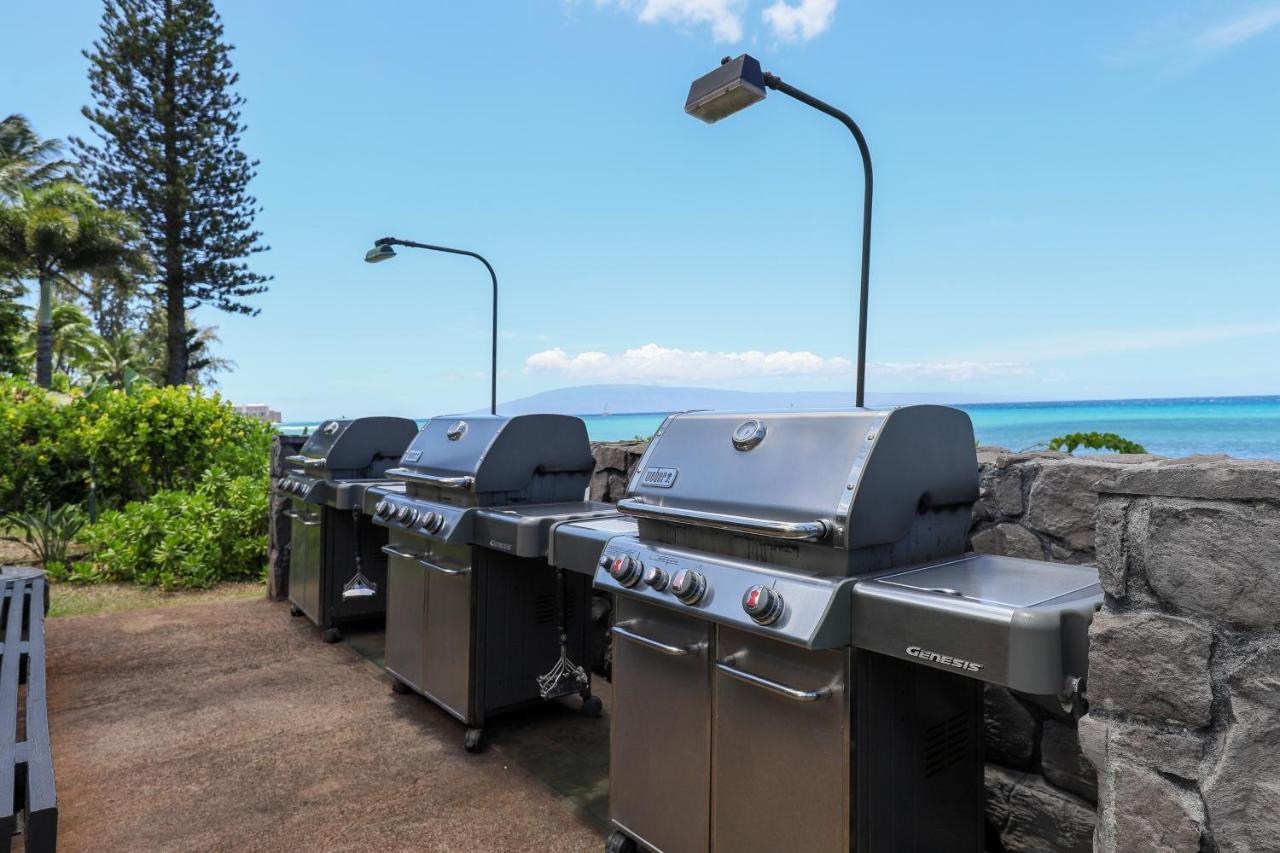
[
  {"x": 1150, "y": 664},
  {"x": 1011, "y": 730},
  {"x": 1216, "y": 559},
  {"x": 1031, "y": 816},
  {"x": 1215, "y": 478},
  {"x": 1009, "y": 540},
  {"x": 1151, "y": 815},
  {"x": 1063, "y": 763},
  {"x": 610, "y": 455},
  {"x": 1001, "y": 488},
  {"x": 1109, "y": 544},
  {"x": 1170, "y": 750},
  {"x": 1063, "y": 500},
  {"x": 1243, "y": 793}
]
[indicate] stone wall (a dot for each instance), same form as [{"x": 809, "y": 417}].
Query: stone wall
[
  {"x": 1184, "y": 721},
  {"x": 278, "y": 547},
  {"x": 1184, "y": 685}
]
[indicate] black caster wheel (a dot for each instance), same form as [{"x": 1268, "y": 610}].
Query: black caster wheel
[
  {"x": 295, "y": 611},
  {"x": 592, "y": 706},
  {"x": 399, "y": 688},
  {"x": 474, "y": 740},
  {"x": 619, "y": 842},
  {"x": 331, "y": 635}
]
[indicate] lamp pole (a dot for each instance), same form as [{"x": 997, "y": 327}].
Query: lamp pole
[
  {"x": 493, "y": 276},
  {"x": 776, "y": 83}
]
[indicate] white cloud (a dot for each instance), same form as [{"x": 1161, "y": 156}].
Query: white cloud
[
  {"x": 1238, "y": 30},
  {"x": 724, "y": 17},
  {"x": 806, "y": 20},
  {"x": 654, "y": 363},
  {"x": 1086, "y": 342}
]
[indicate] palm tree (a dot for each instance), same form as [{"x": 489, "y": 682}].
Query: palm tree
[
  {"x": 54, "y": 232},
  {"x": 26, "y": 160},
  {"x": 74, "y": 341}
]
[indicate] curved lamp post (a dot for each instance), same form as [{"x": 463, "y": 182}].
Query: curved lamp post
[
  {"x": 382, "y": 251},
  {"x": 739, "y": 83}
]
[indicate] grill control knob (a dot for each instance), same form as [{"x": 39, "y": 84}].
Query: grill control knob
[
  {"x": 763, "y": 604},
  {"x": 402, "y": 514},
  {"x": 605, "y": 561},
  {"x": 409, "y": 516},
  {"x": 380, "y": 508},
  {"x": 689, "y": 586},
  {"x": 434, "y": 522},
  {"x": 656, "y": 578},
  {"x": 626, "y": 571}
]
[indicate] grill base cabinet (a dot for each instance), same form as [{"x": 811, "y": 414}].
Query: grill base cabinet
[
  {"x": 887, "y": 758},
  {"x": 317, "y": 572}
]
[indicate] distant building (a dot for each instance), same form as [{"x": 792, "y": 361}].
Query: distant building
[{"x": 261, "y": 411}]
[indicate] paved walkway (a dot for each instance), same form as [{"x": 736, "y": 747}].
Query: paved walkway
[{"x": 231, "y": 726}]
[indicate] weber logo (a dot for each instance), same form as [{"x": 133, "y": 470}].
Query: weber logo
[
  {"x": 412, "y": 455},
  {"x": 501, "y": 546},
  {"x": 945, "y": 660},
  {"x": 660, "y": 478}
]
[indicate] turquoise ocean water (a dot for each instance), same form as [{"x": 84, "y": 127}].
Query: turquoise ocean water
[{"x": 1239, "y": 426}]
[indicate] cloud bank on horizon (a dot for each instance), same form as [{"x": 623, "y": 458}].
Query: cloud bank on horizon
[
  {"x": 797, "y": 21},
  {"x": 659, "y": 364}
]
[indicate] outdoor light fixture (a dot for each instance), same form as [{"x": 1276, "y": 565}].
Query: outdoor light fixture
[
  {"x": 739, "y": 83},
  {"x": 382, "y": 251}
]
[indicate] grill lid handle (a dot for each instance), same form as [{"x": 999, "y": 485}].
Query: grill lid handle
[
  {"x": 314, "y": 462},
  {"x": 465, "y": 482},
  {"x": 810, "y": 531}
]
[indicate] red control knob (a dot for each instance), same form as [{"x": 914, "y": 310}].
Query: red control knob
[
  {"x": 763, "y": 604},
  {"x": 626, "y": 570},
  {"x": 689, "y": 586}
]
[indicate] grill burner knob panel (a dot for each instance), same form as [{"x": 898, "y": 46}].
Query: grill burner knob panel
[
  {"x": 626, "y": 570},
  {"x": 656, "y": 578},
  {"x": 689, "y": 586},
  {"x": 762, "y": 604}
]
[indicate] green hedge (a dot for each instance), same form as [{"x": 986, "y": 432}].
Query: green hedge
[
  {"x": 217, "y": 532},
  {"x": 139, "y": 443}
]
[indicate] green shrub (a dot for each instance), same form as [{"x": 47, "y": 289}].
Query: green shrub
[
  {"x": 42, "y": 454},
  {"x": 177, "y": 539},
  {"x": 157, "y": 439},
  {"x": 1095, "y": 441},
  {"x": 48, "y": 534}
]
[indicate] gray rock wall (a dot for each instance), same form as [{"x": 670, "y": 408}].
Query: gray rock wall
[
  {"x": 278, "y": 547},
  {"x": 1181, "y": 748}
]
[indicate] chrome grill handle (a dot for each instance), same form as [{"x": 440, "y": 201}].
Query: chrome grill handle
[
  {"x": 422, "y": 560},
  {"x": 810, "y": 531},
  {"x": 464, "y": 482},
  {"x": 299, "y": 459},
  {"x": 444, "y": 571},
  {"x": 795, "y": 693},
  {"x": 393, "y": 551},
  {"x": 306, "y": 519},
  {"x": 656, "y": 645}
]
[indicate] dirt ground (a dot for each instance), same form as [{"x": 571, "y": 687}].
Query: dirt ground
[{"x": 229, "y": 726}]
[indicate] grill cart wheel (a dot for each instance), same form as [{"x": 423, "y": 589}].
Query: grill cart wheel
[
  {"x": 619, "y": 842},
  {"x": 331, "y": 635},
  {"x": 592, "y": 706},
  {"x": 474, "y": 740},
  {"x": 295, "y": 611},
  {"x": 399, "y": 688}
]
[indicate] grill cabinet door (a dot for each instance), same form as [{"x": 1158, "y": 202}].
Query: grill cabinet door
[
  {"x": 660, "y": 742},
  {"x": 406, "y": 646},
  {"x": 780, "y": 778},
  {"x": 304, "y": 558},
  {"x": 449, "y": 670}
]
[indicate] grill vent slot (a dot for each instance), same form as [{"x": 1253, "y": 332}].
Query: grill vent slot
[
  {"x": 544, "y": 609},
  {"x": 945, "y": 744}
]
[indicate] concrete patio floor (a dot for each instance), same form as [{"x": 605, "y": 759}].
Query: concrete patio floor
[{"x": 230, "y": 726}]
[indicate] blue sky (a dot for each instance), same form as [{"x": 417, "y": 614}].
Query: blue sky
[{"x": 1070, "y": 203}]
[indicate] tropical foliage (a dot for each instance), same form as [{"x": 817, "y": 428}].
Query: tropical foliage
[
  {"x": 1095, "y": 441},
  {"x": 26, "y": 160},
  {"x": 48, "y": 534}
]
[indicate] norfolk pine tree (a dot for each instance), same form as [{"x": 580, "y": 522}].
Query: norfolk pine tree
[{"x": 167, "y": 122}]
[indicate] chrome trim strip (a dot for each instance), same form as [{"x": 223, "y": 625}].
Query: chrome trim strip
[
  {"x": 772, "y": 686},
  {"x": 422, "y": 560},
  {"x": 408, "y": 474},
  {"x": 650, "y": 643},
  {"x": 810, "y": 531}
]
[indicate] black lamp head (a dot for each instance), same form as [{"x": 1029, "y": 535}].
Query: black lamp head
[
  {"x": 735, "y": 85},
  {"x": 380, "y": 252}
]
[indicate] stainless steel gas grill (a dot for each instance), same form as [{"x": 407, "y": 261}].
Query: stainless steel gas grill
[
  {"x": 337, "y": 571},
  {"x": 477, "y": 620},
  {"x": 801, "y": 639}
]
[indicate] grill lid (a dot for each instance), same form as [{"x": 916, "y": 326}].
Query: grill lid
[
  {"x": 848, "y": 478},
  {"x": 350, "y": 448},
  {"x": 497, "y": 453}
]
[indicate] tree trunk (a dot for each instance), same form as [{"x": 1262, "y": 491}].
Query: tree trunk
[
  {"x": 44, "y": 334},
  {"x": 175, "y": 290}
]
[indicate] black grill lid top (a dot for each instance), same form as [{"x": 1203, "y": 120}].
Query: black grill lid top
[
  {"x": 496, "y": 453},
  {"x": 353, "y": 447}
]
